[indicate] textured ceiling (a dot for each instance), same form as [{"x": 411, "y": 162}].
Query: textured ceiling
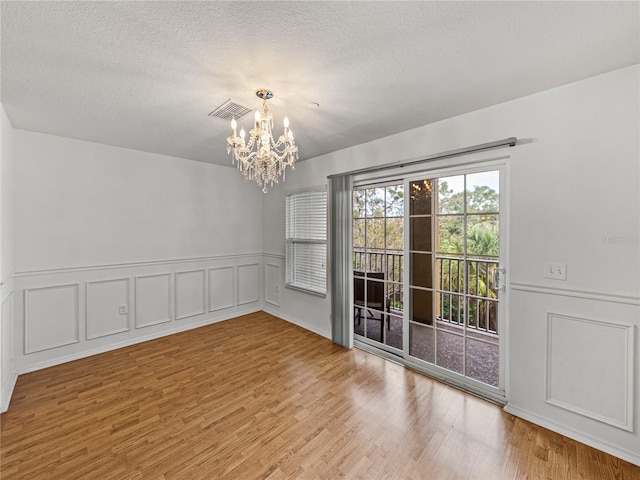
[{"x": 145, "y": 75}]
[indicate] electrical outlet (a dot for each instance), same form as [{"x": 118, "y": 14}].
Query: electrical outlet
[
  {"x": 123, "y": 310},
  {"x": 557, "y": 271}
]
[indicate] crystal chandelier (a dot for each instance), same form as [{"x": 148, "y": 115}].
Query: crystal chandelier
[{"x": 262, "y": 159}]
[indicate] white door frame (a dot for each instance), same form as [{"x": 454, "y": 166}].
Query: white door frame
[{"x": 479, "y": 162}]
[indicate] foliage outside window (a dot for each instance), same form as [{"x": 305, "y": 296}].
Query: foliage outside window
[
  {"x": 306, "y": 241},
  {"x": 468, "y": 247},
  {"x": 378, "y": 231}
]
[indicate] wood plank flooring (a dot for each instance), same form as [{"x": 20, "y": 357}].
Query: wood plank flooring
[{"x": 258, "y": 398}]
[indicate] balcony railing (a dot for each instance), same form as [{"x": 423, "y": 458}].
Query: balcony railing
[
  {"x": 391, "y": 264},
  {"x": 478, "y": 309},
  {"x": 465, "y": 295}
]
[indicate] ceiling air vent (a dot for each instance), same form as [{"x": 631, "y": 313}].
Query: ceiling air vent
[{"x": 228, "y": 110}]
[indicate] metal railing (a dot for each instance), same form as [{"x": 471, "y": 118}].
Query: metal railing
[
  {"x": 465, "y": 294},
  {"x": 391, "y": 263}
]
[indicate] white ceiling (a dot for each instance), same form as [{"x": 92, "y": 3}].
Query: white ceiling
[{"x": 145, "y": 75}]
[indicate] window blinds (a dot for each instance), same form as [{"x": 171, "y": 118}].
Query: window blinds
[{"x": 306, "y": 241}]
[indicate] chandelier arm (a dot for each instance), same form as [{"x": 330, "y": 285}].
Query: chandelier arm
[{"x": 250, "y": 158}]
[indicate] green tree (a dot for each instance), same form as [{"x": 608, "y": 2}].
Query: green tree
[
  {"x": 482, "y": 204},
  {"x": 378, "y": 218}
]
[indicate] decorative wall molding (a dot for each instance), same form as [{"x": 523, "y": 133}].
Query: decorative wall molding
[
  {"x": 272, "y": 284},
  {"x": 192, "y": 294},
  {"x": 565, "y": 292},
  {"x": 248, "y": 283},
  {"x": 156, "y": 309},
  {"x": 279, "y": 256},
  {"x": 53, "y": 271},
  {"x": 8, "y": 375},
  {"x": 160, "y": 292},
  {"x": 100, "y": 311},
  {"x": 225, "y": 294},
  {"x": 46, "y": 314},
  {"x": 6, "y": 290},
  {"x": 573, "y": 370},
  {"x": 6, "y": 278},
  {"x": 8, "y": 300},
  {"x": 58, "y": 315}
]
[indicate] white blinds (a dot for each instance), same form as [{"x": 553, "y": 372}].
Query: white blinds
[{"x": 306, "y": 236}]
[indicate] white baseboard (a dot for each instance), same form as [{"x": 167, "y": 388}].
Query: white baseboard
[
  {"x": 295, "y": 321},
  {"x": 616, "y": 451},
  {"x": 114, "y": 346},
  {"x": 7, "y": 392}
]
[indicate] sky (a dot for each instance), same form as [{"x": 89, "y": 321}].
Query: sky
[{"x": 490, "y": 179}]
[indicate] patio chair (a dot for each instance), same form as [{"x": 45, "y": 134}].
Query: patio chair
[{"x": 375, "y": 298}]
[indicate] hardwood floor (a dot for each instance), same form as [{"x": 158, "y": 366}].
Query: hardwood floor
[{"x": 258, "y": 398}]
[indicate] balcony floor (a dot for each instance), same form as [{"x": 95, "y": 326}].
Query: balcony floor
[{"x": 482, "y": 350}]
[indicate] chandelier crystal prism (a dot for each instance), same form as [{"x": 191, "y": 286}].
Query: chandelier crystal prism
[{"x": 262, "y": 159}]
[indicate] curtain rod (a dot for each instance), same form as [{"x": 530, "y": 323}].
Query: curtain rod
[{"x": 510, "y": 142}]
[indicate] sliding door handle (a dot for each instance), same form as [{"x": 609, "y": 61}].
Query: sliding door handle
[{"x": 499, "y": 278}]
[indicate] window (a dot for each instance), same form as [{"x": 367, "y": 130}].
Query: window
[{"x": 306, "y": 235}]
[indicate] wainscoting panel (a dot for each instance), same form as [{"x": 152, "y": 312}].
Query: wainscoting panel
[
  {"x": 221, "y": 288},
  {"x": 51, "y": 317},
  {"x": 65, "y": 314},
  {"x": 107, "y": 307},
  {"x": 6, "y": 326},
  {"x": 248, "y": 283},
  {"x": 573, "y": 365},
  {"x": 590, "y": 368},
  {"x": 152, "y": 299},
  {"x": 272, "y": 282},
  {"x": 7, "y": 368},
  {"x": 190, "y": 294}
]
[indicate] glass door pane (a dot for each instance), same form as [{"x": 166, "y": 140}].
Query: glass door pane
[
  {"x": 454, "y": 251},
  {"x": 378, "y": 265}
]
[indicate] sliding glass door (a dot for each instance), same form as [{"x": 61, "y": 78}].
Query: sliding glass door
[{"x": 428, "y": 272}]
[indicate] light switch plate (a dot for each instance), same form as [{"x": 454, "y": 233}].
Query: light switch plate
[{"x": 557, "y": 271}]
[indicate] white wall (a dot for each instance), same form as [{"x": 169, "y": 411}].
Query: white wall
[
  {"x": 115, "y": 246},
  {"x": 6, "y": 198},
  {"x": 575, "y": 199},
  {"x": 80, "y": 203},
  {"x": 7, "y": 367}
]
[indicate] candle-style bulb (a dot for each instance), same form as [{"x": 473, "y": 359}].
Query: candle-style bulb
[
  {"x": 242, "y": 133},
  {"x": 257, "y": 116},
  {"x": 286, "y": 122},
  {"x": 234, "y": 124}
]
